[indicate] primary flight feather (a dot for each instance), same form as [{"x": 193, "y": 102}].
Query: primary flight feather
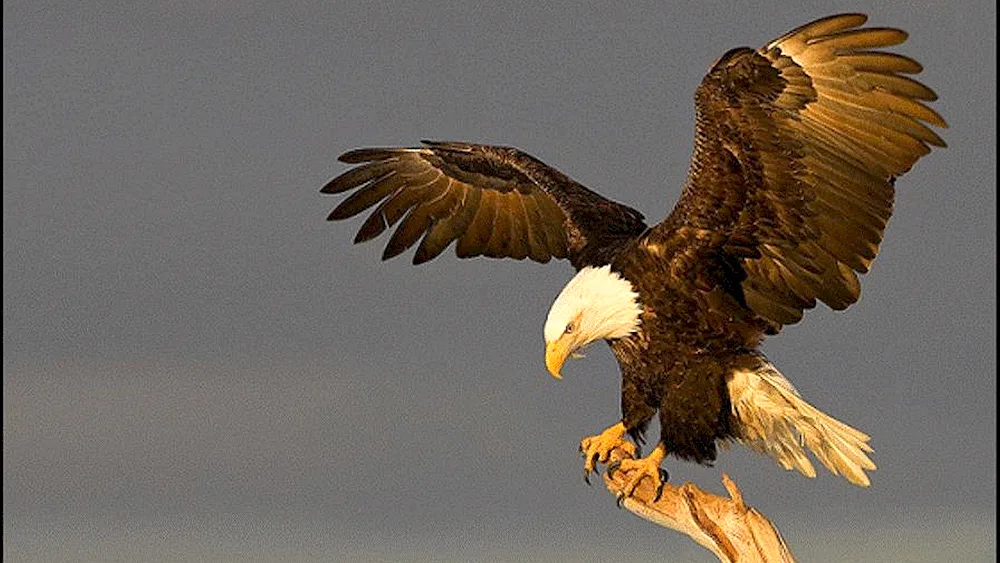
[{"x": 791, "y": 184}]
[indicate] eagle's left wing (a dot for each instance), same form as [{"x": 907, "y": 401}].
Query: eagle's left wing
[{"x": 797, "y": 148}]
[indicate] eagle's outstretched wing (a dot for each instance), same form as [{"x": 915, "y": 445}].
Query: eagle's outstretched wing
[
  {"x": 495, "y": 201},
  {"x": 797, "y": 147}
]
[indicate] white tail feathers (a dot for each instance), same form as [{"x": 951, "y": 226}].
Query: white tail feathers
[{"x": 775, "y": 420}]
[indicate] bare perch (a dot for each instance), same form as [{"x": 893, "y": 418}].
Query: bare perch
[{"x": 730, "y": 529}]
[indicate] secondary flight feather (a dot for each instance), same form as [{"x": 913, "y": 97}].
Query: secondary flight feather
[{"x": 797, "y": 148}]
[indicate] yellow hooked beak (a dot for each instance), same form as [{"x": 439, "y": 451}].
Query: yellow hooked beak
[{"x": 556, "y": 354}]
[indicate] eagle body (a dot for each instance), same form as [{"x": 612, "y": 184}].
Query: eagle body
[
  {"x": 797, "y": 148},
  {"x": 677, "y": 359}
]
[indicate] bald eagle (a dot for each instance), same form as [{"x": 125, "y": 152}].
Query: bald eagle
[{"x": 797, "y": 148}]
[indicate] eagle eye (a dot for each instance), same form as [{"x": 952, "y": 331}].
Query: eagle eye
[{"x": 569, "y": 329}]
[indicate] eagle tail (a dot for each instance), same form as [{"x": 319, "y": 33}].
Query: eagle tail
[{"x": 773, "y": 419}]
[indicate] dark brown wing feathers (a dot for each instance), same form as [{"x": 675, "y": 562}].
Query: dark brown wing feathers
[
  {"x": 494, "y": 201},
  {"x": 797, "y": 148}
]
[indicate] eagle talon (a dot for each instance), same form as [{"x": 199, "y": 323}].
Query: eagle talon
[
  {"x": 597, "y": 449},
  {"x": 659, "y": 492},
  {"x": 620, "y": 500},
  {"x": 614, "y": 467},
  {"x": 664, "y": 477},
  {"x": 589, "y": 467},
  {"x": 640, "y": 469}
]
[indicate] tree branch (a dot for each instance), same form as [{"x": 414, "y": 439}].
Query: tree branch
[{"x": 729, "y": 528}]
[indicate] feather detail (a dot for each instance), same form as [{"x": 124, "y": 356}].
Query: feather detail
[{"x": 773, "y": 419}]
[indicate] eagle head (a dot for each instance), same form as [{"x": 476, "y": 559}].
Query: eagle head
[{"x": 596, "y": 304}]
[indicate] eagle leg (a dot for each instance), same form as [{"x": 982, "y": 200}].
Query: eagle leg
[
  {"x": 648, "y": 466},
  {"x": 597, "y": 449}
]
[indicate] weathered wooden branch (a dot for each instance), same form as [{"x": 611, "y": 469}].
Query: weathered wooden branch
[{"x": 729, "y": 528}]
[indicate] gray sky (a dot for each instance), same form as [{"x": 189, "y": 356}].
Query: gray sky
[{"x": 197, "y": 367}]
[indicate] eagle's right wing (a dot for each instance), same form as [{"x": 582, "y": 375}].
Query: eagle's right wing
[{"x": 495, "y": 201}]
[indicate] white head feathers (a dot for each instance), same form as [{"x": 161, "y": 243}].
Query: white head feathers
[{"x": 596, "y": 304}]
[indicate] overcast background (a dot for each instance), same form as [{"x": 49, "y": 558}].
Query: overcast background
[{"x": 198, "y": 367}]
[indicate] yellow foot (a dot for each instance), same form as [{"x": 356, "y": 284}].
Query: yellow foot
[
  {"x": 597, "y": 449},
  {"x": 648, "y": 466}
]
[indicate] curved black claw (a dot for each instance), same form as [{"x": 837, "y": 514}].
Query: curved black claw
[
  {"x": 590, "y": 466},
  {"x": 620, "y": 501},
  {"x": 664, "y": 477},
  {"x": 614, "y": 467}
]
